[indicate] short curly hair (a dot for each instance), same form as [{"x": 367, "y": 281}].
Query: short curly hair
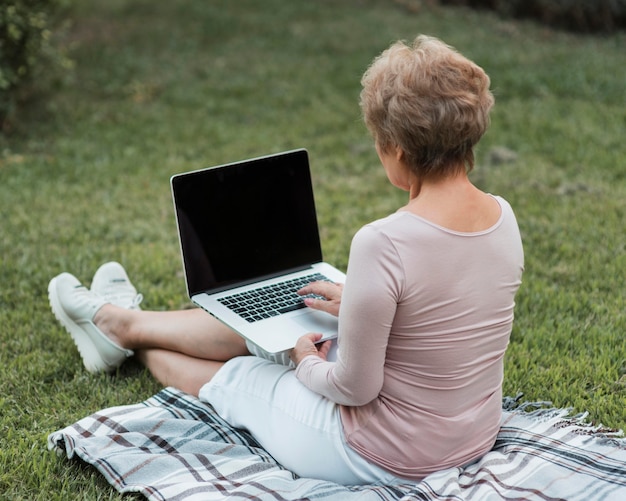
[{"x": 431, "y": 102}]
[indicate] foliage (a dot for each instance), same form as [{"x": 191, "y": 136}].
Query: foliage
[
  {"x": 170, "y": 86},
  {"x": 27, "y": 49},
  {"x": 579, "y": 15}
]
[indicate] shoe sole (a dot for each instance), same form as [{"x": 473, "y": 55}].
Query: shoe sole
[{"x": 91, "y": 356}]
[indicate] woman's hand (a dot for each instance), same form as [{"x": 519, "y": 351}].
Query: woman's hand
[
  {"x": 329, "y": 290},
  {"x": 306, "y": 346}
]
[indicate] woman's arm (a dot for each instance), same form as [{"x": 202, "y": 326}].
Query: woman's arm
[{"x": 373, "y": 286}]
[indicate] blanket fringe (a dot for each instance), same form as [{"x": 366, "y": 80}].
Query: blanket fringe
[{"x": 579, "y": 424}]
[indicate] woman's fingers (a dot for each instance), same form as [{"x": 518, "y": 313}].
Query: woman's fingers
[
  {"x": 306, "y": 345},
  {"x": 331, "y": 292}
]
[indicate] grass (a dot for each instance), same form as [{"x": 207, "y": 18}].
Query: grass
[{"x": 164, "y": 87}]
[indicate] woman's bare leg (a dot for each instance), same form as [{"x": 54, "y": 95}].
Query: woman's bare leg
[
  {"x": 194, "y": 332},
  {"x": 186, "y": 373},
  {"x": 182, "y": 348}
]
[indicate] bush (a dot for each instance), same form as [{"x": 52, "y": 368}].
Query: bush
[
  {"x": 27, "y": 50},
  {"x": 578, "y": 15}
]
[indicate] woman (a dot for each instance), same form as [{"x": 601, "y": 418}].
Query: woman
[{"x": 424, "y": 317}]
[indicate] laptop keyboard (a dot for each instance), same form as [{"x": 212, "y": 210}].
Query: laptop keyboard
[{"x": 271, "y": 300}]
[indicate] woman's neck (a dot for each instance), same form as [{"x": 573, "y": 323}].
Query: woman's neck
[
  {"x": 452, "y": 186},
  {"x": 453, "y": 203}
]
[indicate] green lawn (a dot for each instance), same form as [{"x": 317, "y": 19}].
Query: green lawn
[{"x": 165, "y": 87}]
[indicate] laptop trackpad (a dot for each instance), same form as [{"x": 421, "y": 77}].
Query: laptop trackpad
[{"x": 317, "y": 321}]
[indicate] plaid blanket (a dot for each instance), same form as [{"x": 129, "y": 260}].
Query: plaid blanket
[{"x": 172, "y": 446}]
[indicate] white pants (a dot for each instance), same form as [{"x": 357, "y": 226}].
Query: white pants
[{"x": 299, "y": 428}]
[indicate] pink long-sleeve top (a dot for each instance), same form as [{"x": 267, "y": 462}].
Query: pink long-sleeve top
[{"x": 425, "y": 319}]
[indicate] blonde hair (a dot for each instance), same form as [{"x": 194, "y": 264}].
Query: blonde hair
[{"x": 431, "y": 102}]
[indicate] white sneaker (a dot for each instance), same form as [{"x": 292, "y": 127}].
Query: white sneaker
[
  {"x": 112, "y": 283},
  {"x": 74, "y": 306}
]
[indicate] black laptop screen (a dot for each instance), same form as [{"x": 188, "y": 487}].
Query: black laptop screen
[{"x": 246, "y": 220}]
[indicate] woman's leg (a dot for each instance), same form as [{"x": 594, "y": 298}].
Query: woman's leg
[
  {"x": 182, "y": 348},
  {"x": 170, "y": 368},
  {"x": 190, "y": 332},
  {"x": 107, "y": 327}
]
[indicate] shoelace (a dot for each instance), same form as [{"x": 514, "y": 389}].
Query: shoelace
[
  {"x": 136, "y": 301},
  {"x": 125, "y": 300}
]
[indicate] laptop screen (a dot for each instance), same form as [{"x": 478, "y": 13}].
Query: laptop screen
[{"x": 244, "y": 221}]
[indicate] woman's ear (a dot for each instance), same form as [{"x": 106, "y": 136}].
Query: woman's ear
[{"x": 399, "y": 153}]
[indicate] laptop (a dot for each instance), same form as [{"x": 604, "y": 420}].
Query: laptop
[{"x": 247, "y": 231}]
